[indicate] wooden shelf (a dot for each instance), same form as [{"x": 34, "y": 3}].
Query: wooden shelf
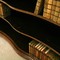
[
  {"x": 30, "y": 13},
  {"x": 23, "y": 4},
  {"x": 23, "y": 26}
]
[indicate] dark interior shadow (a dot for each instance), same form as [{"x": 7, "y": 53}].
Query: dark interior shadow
[
  {"x": 34, "y": 26},
  {"x": 28, "y": 5}
]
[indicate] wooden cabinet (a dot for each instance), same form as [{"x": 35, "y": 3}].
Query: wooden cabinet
[{"x": 23, "y": 27}]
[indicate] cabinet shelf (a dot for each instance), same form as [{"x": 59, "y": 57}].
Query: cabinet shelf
[
  {"x": 23, "y": 4},
  {"x": 20, "y": 40},
  {"x": 27, "y": 11},
  {"x": 33, "y": 26}
]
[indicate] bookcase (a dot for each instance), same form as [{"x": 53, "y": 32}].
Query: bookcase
[{"x": 23, "y": 28}]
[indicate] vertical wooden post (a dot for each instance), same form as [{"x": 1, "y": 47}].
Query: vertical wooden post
[{"x": 1, "y": 10}]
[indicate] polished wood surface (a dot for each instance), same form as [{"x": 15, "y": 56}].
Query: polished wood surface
[
  {"x": 9, "y": 49},
  {"x": 27, "y": 12},
  {"x": 26, "y": 26}
]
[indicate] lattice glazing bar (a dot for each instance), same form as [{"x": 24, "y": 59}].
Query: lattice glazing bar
[
  {"x": 38, "y": 7},
  {"x": 52, "y": 10}
]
